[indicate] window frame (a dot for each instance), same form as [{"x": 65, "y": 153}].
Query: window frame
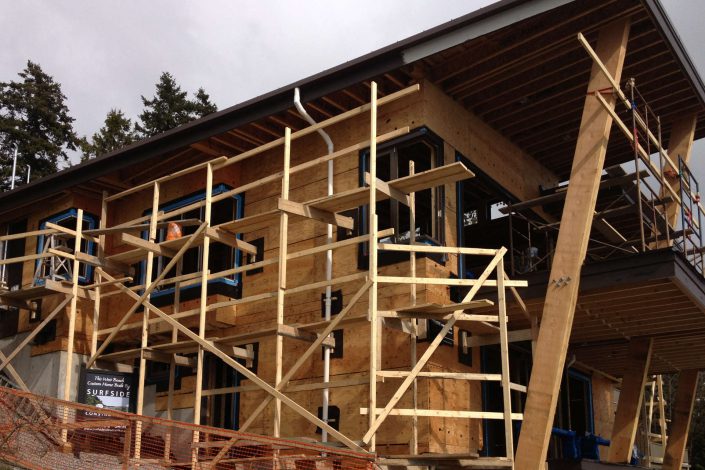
[
  {"x": 237, "y": 254},
  {"x": 90, "y": 246},
  {"x": 421, "y": 134}
]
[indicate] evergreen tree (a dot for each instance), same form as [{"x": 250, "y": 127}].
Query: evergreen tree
[
  {"x": 34, "y": 117},
  {"x": 202, "y": 104},
  {"x": 170, "y": 107},
  {"x": 117, "y": 132}
]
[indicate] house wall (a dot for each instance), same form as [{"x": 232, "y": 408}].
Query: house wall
[{"x": 462, "y": 132}]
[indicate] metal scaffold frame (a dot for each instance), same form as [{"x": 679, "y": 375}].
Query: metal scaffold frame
[{"x": 113, "y": 272}]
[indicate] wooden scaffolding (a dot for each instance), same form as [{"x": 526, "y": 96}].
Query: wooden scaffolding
[{"x": 113, "y": 273}]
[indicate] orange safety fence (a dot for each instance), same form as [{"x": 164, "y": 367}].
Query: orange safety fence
[{"x": 39, "y": 432}]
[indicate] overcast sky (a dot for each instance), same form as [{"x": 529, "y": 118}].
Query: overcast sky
[{"x": 107, "y": 54}]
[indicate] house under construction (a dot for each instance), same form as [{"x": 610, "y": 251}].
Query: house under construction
[{"x": 478, "y": 247}]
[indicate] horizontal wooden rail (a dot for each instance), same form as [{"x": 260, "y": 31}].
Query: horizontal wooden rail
[
  {"x": 446, "y": 413},
  {"x": 437, "y": 249},
  {"x": 447, "y": 282},
  {"x": 441, "y": 375}
]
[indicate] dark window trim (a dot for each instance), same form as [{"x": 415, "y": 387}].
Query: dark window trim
[
  {"x": 90, "y": 246},
  {"x": 215, "y": 286},
  {"x": 420, "y": 134}
]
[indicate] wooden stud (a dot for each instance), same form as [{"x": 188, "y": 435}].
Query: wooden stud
[
  {"x": 202, "y": 307},
  {"x": 414, "y": 444},
  {"x": 631, "y": 397},
  {"x": 283, "y": 245},
  {"x": 144, "y": 337},
  {"x": 375, "y": 347},
  {"x": 680, "y": 421},
  {"x": 72, "y": 320},
  {"x": 504, "y": 356},
  {"x": 98, "y": 285},
  {"x": 561, "y": 297}
]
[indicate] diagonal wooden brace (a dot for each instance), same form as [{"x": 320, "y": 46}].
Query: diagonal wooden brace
[
  {"x": 34, "y": 332},
  {"x": 301, "y": 361},
  {"x": 141, "y": 299},
  {"x": 212, "y": 348}
]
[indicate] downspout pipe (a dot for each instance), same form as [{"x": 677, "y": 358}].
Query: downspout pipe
[{"x": 329, "y": 259}]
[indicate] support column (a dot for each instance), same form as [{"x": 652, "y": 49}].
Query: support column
[
  {"x": 626, "y": 421},
  {"x": 562, "y": 293},
  {"x": 680, "y": 144},
  {"x": 680, "y": 421}
]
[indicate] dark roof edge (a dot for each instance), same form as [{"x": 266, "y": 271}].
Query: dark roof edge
[
  {"x": 359, "y": 69},
  {"x": 658, "y": 13}
]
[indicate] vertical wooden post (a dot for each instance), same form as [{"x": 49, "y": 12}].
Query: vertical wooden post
[
  {"x": 661, "y": 409},
  {"x": 374, "y": 326},
  {"x": 680, "y": 144},
  {"x": 414, "y": 321},
  {"x": 145, "y": 320},
  {"x": 283, "y": 245},
  {"x": 680, "y": 421},
  {"x": 626, "y": 421},
  {"x": 562, "y": 293},
  {"x": 72, "y": 317},
  {"x": 172, "y": 363},
  {"x": 101, "y": 254},
  {"x": 504, "y": 354},
  {"x": 203, "y": 304}
]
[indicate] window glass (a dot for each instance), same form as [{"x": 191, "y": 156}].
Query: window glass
[
  {"x": 393, "y": 163},
  {"x": 60, "y": 268},
  {"x": 221, "y": 257}
]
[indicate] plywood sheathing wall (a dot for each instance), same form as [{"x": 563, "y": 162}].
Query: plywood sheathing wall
[{"x": 463, "y": 132}]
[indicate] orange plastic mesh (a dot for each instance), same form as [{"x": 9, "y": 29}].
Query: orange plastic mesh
[{"x": 47, "y": 433}]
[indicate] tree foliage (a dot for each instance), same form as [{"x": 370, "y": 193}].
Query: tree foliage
[
  {"x": 34, "y": 117},
  {"x": 117, "y": 132},
  {"x": 170, "y": 107}
]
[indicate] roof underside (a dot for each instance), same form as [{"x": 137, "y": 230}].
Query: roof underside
[
  {"x": 527, "y": 80},
  {"x": 655, "y": 294}
]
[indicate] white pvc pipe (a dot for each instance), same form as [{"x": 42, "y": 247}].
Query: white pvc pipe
[{"x": 329, "y": 260}]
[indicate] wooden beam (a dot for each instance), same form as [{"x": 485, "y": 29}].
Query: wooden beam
[
  {"x": 166, "y": 358},
  {"x": 144, "y": 336},
  {"x": 680, "y": 144},
  {"x": 680, "y": 420},
  {"x": 68, "y": 371},
  {"x": 390, "y": 192},
  {"x": 446, "y": 413},
  {"x": 155, "y": 248},
  {"x": 105, "y": 264},
  {"x": 626, "y": 420},
  {"x": 227, "y": 238},
  {"x": 571, "y": 248},
  {"x": 296, "y": 208}
]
